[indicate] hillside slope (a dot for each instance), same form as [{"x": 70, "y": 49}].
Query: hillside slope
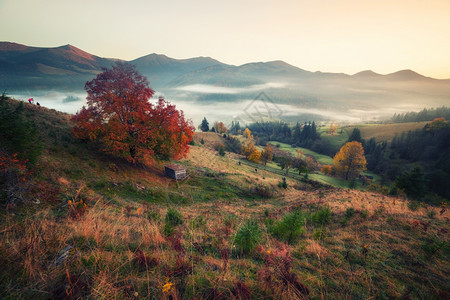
[{"x": 92, "y": 226}]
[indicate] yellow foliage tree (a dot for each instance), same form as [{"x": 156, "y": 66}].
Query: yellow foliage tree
[
  {"x": 247, "y": 133},
  {"x": 248, "y": 148},
  {"x": 255, "y": 156},
  {"x": 332, "y": 129},
  {"x": 350, "y": 160}
]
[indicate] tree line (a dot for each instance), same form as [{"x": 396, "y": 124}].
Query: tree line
[
  {"x": 426, "y": 114},
  {"x": 418, "y": 161}
]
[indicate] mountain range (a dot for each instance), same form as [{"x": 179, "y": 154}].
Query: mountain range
[{"x": 204, "y": 79}]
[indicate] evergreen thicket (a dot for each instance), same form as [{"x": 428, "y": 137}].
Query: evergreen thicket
[
  {"x": 426, "y": 114},
  {"x": 17, "y": 134}
]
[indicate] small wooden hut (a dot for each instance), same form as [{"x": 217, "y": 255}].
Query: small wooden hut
[{"x": 175, "y": 171}]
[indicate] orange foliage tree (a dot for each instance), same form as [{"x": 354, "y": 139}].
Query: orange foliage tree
[
  {"x": 437, "y": 123},
  {"x": 327, "y": 170},
  {"x": 350, "y": 160},
  {"x": 120, "y": 117},
  {"x": 248, "y": 148},
  {"x": 267, "y": 154},
  {"x": 255, "y": 156},
  {"x": 219, "y": 127}
]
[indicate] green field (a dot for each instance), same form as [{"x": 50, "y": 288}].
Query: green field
[
  {"x": 336, "y": 140},
  {"x": 323, "y": 159},
  {"x": 337, "y": 182}
]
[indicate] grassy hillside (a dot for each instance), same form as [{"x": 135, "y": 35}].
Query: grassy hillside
[
  {"x": 323, "y": 159},
  {"x": 385, "y": 132},
  {"x": 92, "y": 226}
]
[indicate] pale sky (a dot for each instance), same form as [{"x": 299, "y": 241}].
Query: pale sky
[{"x": 317, "y": 35}]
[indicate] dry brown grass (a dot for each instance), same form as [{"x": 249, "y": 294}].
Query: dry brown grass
[
  {"x": 386, "y": 132},
  {"x": 120, "y": 249}
]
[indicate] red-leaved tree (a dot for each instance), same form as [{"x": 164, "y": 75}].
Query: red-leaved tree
[
  {"x": 173, "y": 132},
  {"x": 120, "y": 117}
]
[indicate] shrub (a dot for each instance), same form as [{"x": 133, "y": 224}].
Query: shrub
[
  {"x": 344, "y": 221},
  {"x": 264, "y": 191},
  {"x": 322, "y": 216},
  {"x": 247, "y": 236},
  {"x": 349, "y": 212},
  {"x": 319, "y": 234},
  {"x": 364, "y": 214},
  {"x": 221, "y": 151},
  {"x": 202, "y": 141},
  {"x": 290, "y": 228},
  {"x": 76, "y": 209},
  {"x": 433, "y": 245},
  {"x": 393, "y": 191},
  {"x": 352, "y": 184},
  {"x": 282, "y": 184},
  {"x": 153, "y": 216},
  {"x": 413, "y": 205},
  {"x": 173, "y": 219},
  {"x": 431, "y": 213}
]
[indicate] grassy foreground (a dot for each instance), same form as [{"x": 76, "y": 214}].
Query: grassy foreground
[{"x": 96, "y": 227}]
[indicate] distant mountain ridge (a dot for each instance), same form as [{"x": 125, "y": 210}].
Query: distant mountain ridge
[
  {"x": 24, "y": 68},
  {"x": 161, "y": 69}
]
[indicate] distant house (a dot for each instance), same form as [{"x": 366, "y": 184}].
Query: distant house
[{"x": 175, "y": 171}]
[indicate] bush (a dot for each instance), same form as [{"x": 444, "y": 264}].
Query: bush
[
  {"x": 433, "y": 245},
  {"x": 320, "y": 234},
  {"x": 282, "y": 184},
  {"x": 352, "y": 184},
  {"x": 365, "y": 214},
  {"x": 349, "y": 212},
  {"x": 393, "y": 191},
  {"x": 290, "y": 228},
  {"x": 173, "y": 219},
  {"x": 247, "y": 236},
  {"x": 263, "y": 191},
  {"x": 202, "y": 141},
  {"x": 413, "y": 205},
  {"x": 221, "y": 151},
  {"x": 322, "y": 216}
]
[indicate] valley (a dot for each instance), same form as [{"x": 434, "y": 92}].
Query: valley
[{"x": 90, "y": 225}]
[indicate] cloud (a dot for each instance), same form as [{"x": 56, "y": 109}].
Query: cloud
[{"x": 213, "y": 89}]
